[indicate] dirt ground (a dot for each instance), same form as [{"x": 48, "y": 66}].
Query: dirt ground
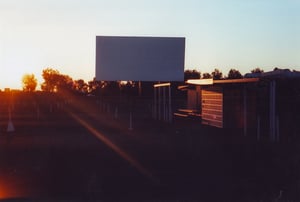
[{"x": 86, "y": 148}]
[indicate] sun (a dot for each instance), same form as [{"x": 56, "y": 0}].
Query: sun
[
  {"x": 12, "y": 77},
  {"x": 17, "y": 59}
]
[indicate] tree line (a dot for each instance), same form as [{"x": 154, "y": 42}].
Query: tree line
[
  {"x": 54, "y": 81},
  {"x": 217, "y": 74}
]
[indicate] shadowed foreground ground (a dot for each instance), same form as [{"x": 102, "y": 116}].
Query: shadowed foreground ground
[{"x": 77, "y": 151}]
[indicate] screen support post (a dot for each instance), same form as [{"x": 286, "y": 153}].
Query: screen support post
[{"x": 162, "y": 109}]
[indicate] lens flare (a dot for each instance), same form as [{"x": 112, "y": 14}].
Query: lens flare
[{"x": 115, "y": 148}]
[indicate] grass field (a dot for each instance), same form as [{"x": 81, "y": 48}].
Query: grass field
[{"x": 77, "y": 147}]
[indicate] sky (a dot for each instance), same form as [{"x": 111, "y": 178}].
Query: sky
[{"x": 223, "y": 34}]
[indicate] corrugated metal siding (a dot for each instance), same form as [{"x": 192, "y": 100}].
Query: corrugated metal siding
[{"x": 212, "y": 107}]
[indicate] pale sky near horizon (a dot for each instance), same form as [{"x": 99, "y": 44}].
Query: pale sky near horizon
[{"x": 223, "y": 34}]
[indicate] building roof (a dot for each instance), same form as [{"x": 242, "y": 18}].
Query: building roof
[
  {"x": 250, "y": 77},
  {"x": 223, "y": 81},
  {"x": 277, "y": 73}
]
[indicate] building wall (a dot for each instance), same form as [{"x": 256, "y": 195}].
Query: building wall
[
  {"x": 212, "y": 106},
  {"x": 224, "y": 106},
  {"x": 240, "y": 108},
  {"x": 248, "y": 106},
  {"x": 233, "y": 107},
  {"x": 194, "y": 98}
]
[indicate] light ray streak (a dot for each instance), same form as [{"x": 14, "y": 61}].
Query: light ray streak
[{"x": 115, "y": 148}]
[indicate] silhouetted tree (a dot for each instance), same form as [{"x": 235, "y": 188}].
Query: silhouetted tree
[
  {"x": 257, "y": 70},
  {"x": 206, "y": 76},
  {"x": 65, "y": 82},
  {"x": 54, "y": 81},
  {"x": 191, "y": 74},
  {"x": 234, "y": 74},
  {"x": 80, "y": 86},
  {"x": 93, "y": 85},
  {"x": 217, "y": 74},
  {"x": 51, "y": 80},
  {"x": 29, "y": 82}
]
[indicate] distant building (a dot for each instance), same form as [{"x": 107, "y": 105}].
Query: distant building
[{"x": 265, "y": 105}]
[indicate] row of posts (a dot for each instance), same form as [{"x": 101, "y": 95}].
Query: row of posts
[
  {"x": 106, "y": 108},
  {"x": 103, "y": 107},
  {"x": 10, "y": 125},
  {"x": 162, "y": 110},
  {"x": 274, "y": 132}
]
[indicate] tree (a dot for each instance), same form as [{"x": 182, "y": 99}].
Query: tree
[
  {"x": 54, "y": 81},
  {"x": 217, "y": 74},
  {"x": 80, "y": 86},
  {"x": 51, "y": 80},
  {"x": 96, "y": 87},
  {"x": 191, "y": 74},
  {"x": 29, "y": 82},
  {"x": 65, "y": 82},
  {"x": 257, "y": 70},
  {"x": 206, "y": 76},
  {"x": 234, "y": 74},
  {"x": 93, "y": 86}
]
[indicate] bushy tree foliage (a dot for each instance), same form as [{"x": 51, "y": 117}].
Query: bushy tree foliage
[
  {"x": 217, "y": 74},
  {"x": 51, "y": 78},
  {"x": 80, "y": 86},
  {"x": 94, "y": 86},
  {"x": 54, "y": 81},
  {"x": 257, "y": 70},
  {"x": 234, "y": 74},
  {"x": 66, "y": 82},
  {"x": 206, "y": 76},
  {"x": 191, "y": 74},
  {"x": 29, "y": 82}
]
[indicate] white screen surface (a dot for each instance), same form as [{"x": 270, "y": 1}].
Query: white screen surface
[{"x": 140, "y": 58}]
